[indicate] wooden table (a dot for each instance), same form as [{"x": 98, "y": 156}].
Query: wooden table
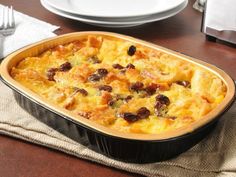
[{"x": 180, "y": 33}]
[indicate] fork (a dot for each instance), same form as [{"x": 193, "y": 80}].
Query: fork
[{"x": 7, "y": 26}]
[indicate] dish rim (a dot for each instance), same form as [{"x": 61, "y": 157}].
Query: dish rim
[{"x": 39, "y": 47}]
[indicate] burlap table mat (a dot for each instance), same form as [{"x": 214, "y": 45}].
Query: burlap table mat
[{"x": 214, "y": 156}]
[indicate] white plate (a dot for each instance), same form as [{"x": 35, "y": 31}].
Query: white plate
[
  {"x": 114, "y": 8},
  {"x": 116, "y": 24}
]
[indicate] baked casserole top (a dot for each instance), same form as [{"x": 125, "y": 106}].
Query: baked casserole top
[{"x": 122, "y": 85}]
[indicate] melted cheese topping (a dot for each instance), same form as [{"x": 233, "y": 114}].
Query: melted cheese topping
[{"x": 68, "y": 75}]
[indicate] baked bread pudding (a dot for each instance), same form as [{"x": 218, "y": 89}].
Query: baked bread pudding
[{"x": 122, "y": 85}]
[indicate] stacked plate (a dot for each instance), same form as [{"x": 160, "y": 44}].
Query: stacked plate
[{"x": 115, "y": 13}]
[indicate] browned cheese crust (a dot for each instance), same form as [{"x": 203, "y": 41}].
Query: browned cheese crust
[{"x": 122, "y": 85}]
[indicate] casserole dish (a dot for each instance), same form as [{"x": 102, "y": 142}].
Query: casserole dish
[{"x": 137, "y": 148}]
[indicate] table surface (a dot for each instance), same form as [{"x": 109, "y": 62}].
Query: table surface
[{"x": 180, "y": 33}]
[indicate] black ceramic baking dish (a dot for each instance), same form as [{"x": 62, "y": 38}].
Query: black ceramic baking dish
[{"x": 135, "y": 148}]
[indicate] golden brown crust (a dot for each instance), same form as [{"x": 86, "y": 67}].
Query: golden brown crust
[{"x": 108, "y": 81}]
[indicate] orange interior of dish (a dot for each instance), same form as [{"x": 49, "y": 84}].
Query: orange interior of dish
[{"x": 120, "y": 85}]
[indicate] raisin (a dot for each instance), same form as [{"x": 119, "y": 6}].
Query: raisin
[
  {"x": 129, "y": 117},
  {"x": 163, "y": 99},
  {"x": 65, "y": 66},
  {"x": 129, "y": 97},
  {"x": 83, "y": 92},
  {"x": 51, "y": 73},
  {"x": 117, "y": 66},
  {"x": 94, "y": 77},
  {"x": 130, "y": 66},
  {"x": 131, "y": 51},
  {"x": 111, "y": 102},
  {"x": 102, "y": 72},
  {"x": 160, "y": 109},
  {"x": 143, "y": 112},
  {"x": 137, "y": 86},
  {"x": 94, "y": 60},
  {"x": 151, "y": 89},
  {"x": 158, "y": 105},
  {"x": 184, "y": 83},
  {"x": 105, "y": 88}
]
